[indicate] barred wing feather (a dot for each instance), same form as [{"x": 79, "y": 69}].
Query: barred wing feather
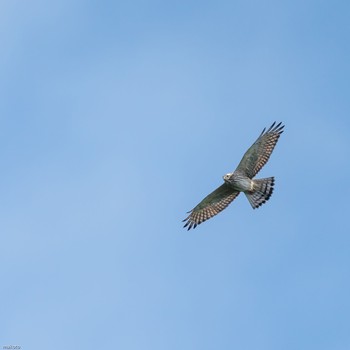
[
  {"x": 259, "y": 153},
  {"x": 211, "y": 205}
]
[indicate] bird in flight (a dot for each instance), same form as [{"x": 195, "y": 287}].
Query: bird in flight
[{"x": 258, "y": 191}]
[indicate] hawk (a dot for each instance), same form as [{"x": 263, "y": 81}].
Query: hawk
[{"x": 258, "y": 191}]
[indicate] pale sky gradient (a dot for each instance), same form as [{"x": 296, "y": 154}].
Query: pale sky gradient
[{"x": 116, "y": 118}]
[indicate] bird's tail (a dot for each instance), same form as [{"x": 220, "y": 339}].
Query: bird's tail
[{"x": 261, "y": 192}]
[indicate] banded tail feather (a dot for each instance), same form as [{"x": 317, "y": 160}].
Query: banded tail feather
[{"x": 261, "y": 193}]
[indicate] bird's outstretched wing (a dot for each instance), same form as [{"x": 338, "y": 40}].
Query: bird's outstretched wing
[
  {"x": 259, "y": 153},
  {"x": 211, "y": 205}
]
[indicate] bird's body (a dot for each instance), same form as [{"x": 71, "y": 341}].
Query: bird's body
[
  {"x": 258, "y": 191},
  {"x": 238, "y": 181}
]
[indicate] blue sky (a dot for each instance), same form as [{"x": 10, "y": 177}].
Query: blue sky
[{"x": 116, "y": 118}]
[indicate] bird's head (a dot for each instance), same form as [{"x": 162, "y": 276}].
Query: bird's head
[{"x": 227, "y": 177}]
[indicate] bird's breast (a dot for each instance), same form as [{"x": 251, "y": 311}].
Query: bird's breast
[{"x": 240, "y": 182}]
